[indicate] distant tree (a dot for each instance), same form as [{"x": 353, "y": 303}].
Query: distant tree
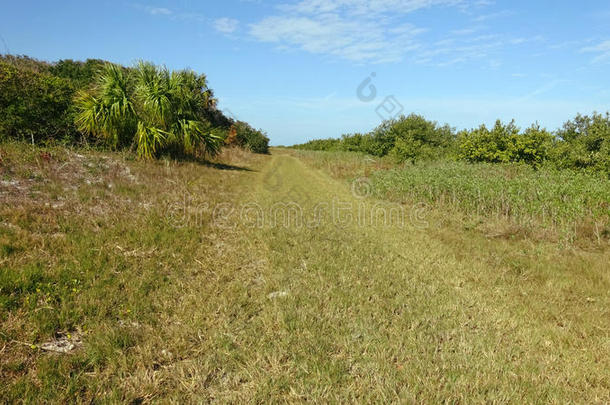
[
  {"x": 505, "y": 143},
  {"x": 584, "y": 142},
  {"x": 484, "y": 145},
  {"x": 24, "y": 62},
  {"x": 532, "y": 146},
  {"x": 416, "y": 138}
]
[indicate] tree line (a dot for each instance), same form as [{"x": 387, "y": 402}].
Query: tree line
[
  {"x": 147, "y": 108},
  {"x": 582, "y": 143}
]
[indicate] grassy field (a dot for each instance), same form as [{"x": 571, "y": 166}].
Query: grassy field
[
  {"x": 564, "y": 206},
  {"x": 182, "y": 282}
]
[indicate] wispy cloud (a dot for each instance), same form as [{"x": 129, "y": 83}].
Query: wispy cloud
[
  {"x": 159, "y": 11},
  {"x": 602, "y": 49},
  {"x": 491, "y": 16},
  {"x": 458, "y": 49},
  {"x": 356, "y": 30},
  {"x": 365, "y": 7},
  {"x": 172, "y": 14},
  {"x": 226, "y": 25}
]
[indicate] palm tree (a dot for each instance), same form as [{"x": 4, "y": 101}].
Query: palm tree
[{"x": 149, "y": 107}]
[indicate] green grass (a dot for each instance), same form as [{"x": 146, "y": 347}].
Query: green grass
[
  {"x": 563, "y": 201},
  {"x": 561, "y": 205},
  {"x": 367, "y": 313},
  {"x": 87, "y": 249}
]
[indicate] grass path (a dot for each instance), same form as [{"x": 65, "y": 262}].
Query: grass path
[
  {"x": 340, "y": 308},
  {"x": 399, "y": 313}
]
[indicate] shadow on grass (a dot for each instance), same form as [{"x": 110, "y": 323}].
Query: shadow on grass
[
  {"x": 223, "y": 166},
  {"x": 205, "y": 162}
]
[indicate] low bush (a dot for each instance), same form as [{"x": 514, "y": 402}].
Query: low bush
[
  {"x": 584, "y": 143},
  {"x": 407, "y": 138},
  {"x": 145, "y": 107},
  {"x": 150, "y": 108},
  {"x": 35, "y": 105},
  {"x": 505, "y": 144},
  {"x": 249, "y": 138}
]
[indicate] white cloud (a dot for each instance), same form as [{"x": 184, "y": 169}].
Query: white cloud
[
  {"x": 226, "y": 25},
  {"x": 356, "y": 30},
  {"x": 159, "y": 11},
  {"x": 331, "y": 34},
  {"x": 499, "y": 14},
  {"x": 602, "y": 49},
  {"x": 365, "y": 7}
]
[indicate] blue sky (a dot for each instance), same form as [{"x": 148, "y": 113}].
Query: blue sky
[{"x": 293, "y": 68}]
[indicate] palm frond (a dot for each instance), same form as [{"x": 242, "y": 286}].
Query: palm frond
[{"x": 149, "y": 139}]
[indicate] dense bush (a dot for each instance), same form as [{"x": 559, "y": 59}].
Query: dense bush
[
  {"x": 249, "y": 138},
  {"x": 35, "y": 105},
  {"x": 584, "y": 143},
  {"x": 27, "y": 63},
  {"x": 408, "y": 138},
  {"x": 81, "y": 74},
  {"x": 329, "y": 144},
  {"x": 150, "y": 108},
  {"x": 505, "y": 143},
  {"x": 147, "y": 107}
]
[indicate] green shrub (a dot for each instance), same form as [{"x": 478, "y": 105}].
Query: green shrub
[
  {"x": 250, "y": 138},
  {"x": 505, "y": 144},
  {"x": 149, "y": 107},
  {"x": 27, "y": 63},
  {"x": 484, "y": 145},
  {"x": 532, "y": 146},
  {"x": 320, "y": 145},
  {"x": 34, "y": 105},
  {"x": 584, "y": 143},
  {"x": 416, "y": 138},
  {"x": 81, "y": 74},
  {"x": 407, "y": 138}
]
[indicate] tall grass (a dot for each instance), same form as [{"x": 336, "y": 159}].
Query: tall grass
[
  {"x": 553, "y": 198},
  {"x": 558, "y": 203}
]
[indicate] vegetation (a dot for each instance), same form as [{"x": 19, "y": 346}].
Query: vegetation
[
  {"x": 163, "y": 305},
  {"x": 250, "y": 138},
  {"x": 408, "y": 138},
  {"x": 583, "y": 143},
  {"x": 505, "y": 144},
  {"x": 34, "y": 106},
  {"x": 514, "y": 200},
  {"x": 427, "y": 266},
  {"x": 89, "y": 254},
  {"x": 146, "y": 108},
  {"x": 152, "y": 108}
]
